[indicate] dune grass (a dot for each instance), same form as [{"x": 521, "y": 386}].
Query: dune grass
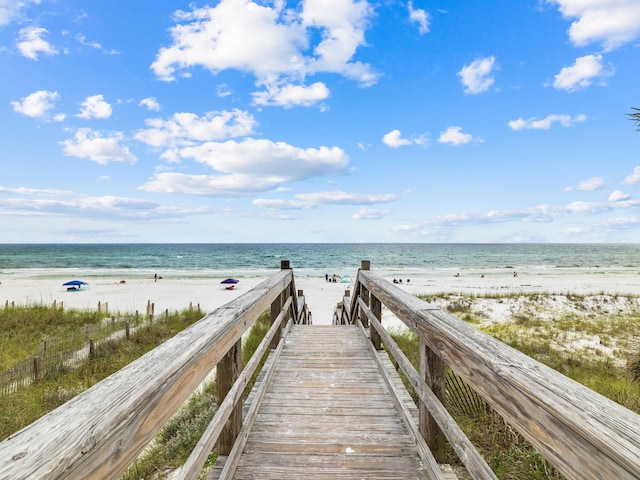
[
  {"x": 23, "y": 328},
  {"x": 179, "y": 437},
  {"x": 28, "y": 404},
  {"x": 599, "y": 350}
]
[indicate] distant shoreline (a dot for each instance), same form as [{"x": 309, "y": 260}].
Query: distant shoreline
[{"x": 321, "y": 296}]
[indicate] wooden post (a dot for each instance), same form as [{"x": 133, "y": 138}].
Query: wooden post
[
  {"x": 228, "y": 370},
  {"x": 364, "y": 294},
  {"x": 127, "y": 330},
  {"x": 276, "y": 308},
  {"x": 99, "y": 307},
  {"x": 376, "y": 309},
  {"x": 303, "y": 320},
  {"x": 92, "y": 347},
  {"x": 37, "y": 372},
  {"x": 433, "y": 370}
]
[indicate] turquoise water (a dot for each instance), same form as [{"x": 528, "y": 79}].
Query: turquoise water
[{"x": 204, "y": 260}]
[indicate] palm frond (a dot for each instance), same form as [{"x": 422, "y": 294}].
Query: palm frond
[{"x": 635, "y": 117}]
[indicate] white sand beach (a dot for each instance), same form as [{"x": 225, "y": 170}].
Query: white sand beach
[{"x": 321, "y": 296}]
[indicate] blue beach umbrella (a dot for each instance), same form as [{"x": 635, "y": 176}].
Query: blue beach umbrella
[
  {"x": 74, "y": 283},
  {"x": 231, "y": 281}
]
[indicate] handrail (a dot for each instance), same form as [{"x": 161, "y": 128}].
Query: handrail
[
  {"x": 583, "y": 434},
  {"x": 97, "y": 434},
  {"x": 198, "y": 456},
  {"x": 426, "y": 456},
  {"x": 467, "y": 453}
]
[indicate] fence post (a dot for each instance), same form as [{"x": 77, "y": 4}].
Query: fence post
[
  {"x": 433, "y": 370},
  {"x": 228, "y": 370},
  {"x": 303, "y": 320},
  {"x": 276, "y": 307},
  {"x": 127, "y": 330},
  {"x": 364, "y": 294},
  {"x": 37, "y": 371},
  {"x": 92, "y": 347},
  {"x": 376, "y": 309}
]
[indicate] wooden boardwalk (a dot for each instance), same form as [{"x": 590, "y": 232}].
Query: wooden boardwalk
[{"x": 328, "y": 414}]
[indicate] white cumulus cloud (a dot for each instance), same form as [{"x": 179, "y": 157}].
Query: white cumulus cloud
[
  {"x": 95, "y": 106},
  {"x": 478, "y": 76},
  {"x": 151, "y": 103},
  {"x": 420, "y": 17},
  {"x": 609, "y": 22},
  {"x": 582, "y": 74},
  {"x": 455, "y": 136},
  {"x": 248, "y": 167},
  {"x": 292, "y": 95},
  {"x": 184, "y": 129},
  {"x": 36, "y": 104},
  {"x": 92, "y": 145},
  {"x": 618, "y": 196},
  {"x": 278, "y": 45},
  {"x": 394, "y": 139},
  {"x": 31, "y": 43}
]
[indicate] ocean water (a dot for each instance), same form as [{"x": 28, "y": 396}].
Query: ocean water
[{"x": 258, "y": 260}]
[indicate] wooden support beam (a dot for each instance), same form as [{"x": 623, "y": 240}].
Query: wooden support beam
[{"x": 227, "y": 371}]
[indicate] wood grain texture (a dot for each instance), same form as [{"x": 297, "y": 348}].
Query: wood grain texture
[
  {"x": 101, "y": 431},
  {"x": 327, "y": 414},
  {"x": 583, "y": 434}
]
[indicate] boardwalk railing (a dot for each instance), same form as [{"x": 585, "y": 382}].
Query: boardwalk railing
[
  {"x": 99, "y": 433},
  {"x": 581, "y": 433}
]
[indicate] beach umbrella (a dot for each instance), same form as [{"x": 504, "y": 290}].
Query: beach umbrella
[
  {"x": 74, "y": 283},
  {"x": 346, "y": 279},
  {"x": 231, "y": 281}
]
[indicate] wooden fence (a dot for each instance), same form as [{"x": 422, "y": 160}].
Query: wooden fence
[
  {"x": 581, "y": 433},
  {"x": 99, "y": 433}
]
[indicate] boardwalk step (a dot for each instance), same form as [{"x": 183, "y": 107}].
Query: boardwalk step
[{"x": 327, "y": 413}]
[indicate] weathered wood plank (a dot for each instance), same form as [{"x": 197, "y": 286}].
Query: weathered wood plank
[
  {"x": 583, "y": 434},
  {"x": 327, "y": 413},
  {"x": 101, "y": 431},
  {"x": 473, "y": 461}
]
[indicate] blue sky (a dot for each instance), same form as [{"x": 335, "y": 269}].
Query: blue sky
[{"x": 319, "y": 121}]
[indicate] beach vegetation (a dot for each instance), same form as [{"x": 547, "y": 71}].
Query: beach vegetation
[
  {"x": 173, "y": 445},
  {"x": 22, "y": 329},
  {"x": 25, "y": 405},
  {"x": 590, "y": 338}
]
